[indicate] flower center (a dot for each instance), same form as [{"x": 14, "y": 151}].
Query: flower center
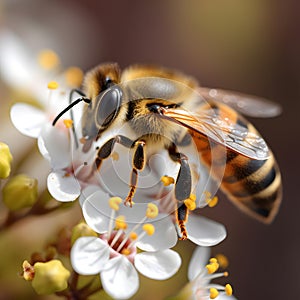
[
  {"x": 121, "y": 240},
  {"x": 204, "y": 288}
]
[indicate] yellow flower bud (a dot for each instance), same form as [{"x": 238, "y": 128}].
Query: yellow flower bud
[
  {"x": 50, "y": 277},
  {"x": 80, "y": 230},
  {"x": 5, "y": 161},
  {"x": 19, "y": 192}
]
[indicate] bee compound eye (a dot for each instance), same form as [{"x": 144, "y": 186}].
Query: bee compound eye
[{"x": 108, "y": 106}]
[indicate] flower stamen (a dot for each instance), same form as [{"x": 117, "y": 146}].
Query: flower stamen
[
  {"x": 213, "y": 293},
  {"x": 167, "y": 180},
  {"x": 48, "y": 59},
  {"x": 52, "y": 85},
  {"x": 152, "y": 211}
]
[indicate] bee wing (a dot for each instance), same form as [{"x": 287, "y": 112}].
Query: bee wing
[
  {"x": 222, "y": 131},
  {"x": 246, "y": 104}
]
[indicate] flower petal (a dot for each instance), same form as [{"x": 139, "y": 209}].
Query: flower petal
[
  {"x": 89, "y": 255},
  {"x": 158, "y": 265},
  {"x": 97, "y": 212},
  {"x": 164, "y": 237},
  {"x": 198, "y": 261},
  {"x": 204, "y": 232},
  {"x": 119, "y": 278},
  {"x": 27, "y": 119},
  {"x": 57, "y": 146},
  {"x": 87, "y": 192},
  {"x": 63, "y": 187}
]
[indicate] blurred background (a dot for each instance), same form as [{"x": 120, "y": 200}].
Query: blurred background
[{"x": 248, "y": 46}]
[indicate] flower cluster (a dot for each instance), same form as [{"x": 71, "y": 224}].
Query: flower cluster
[{"x": 125, "y": 239}]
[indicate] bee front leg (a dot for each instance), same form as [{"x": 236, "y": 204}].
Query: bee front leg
[
  {"x": 106, "y": 150},
  {"x": 183, "y": 187},
  {"x": 138, "y": 163}
]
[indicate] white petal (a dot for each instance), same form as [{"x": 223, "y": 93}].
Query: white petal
[
  {"x": 43, "y": 150},
  {"x": 56, "y": 142},
  {"x": 28, "y": 119},
  {"x": 89, "y": 255},
  {"x": 86, "y": 192},
  {"x": 204, "y": 232},
  {"x": 63, "y": 187},
  {"x": 158, "y": 265},
  {"x": 17, "y": 66},
  {"x": 164, "y": 237},
  {"x": 120, "y": 279},
  {"x": 97, "y": 212},
  {"x": 198, "y": 261}
]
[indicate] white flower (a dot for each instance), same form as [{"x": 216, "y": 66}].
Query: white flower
[
  {"x": 114, "y": 254},
  {"x": 200, "y": 275},
  {"x": 37, "y": 75},
  {"x": 200, "y": 230},
  {"x": 72, "y": 169}
]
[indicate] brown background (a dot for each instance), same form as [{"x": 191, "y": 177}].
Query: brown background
[{"x": 248, "y": 46}]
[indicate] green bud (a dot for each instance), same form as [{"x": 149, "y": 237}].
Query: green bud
[
  {"x": 81, "y": 229},
  {"x": 5, "y": 161},
  {"x": 19, "y": 192},
  {"x": 50, "y": 277}
]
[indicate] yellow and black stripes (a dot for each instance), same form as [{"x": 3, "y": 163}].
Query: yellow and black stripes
[{"x": 253, "y": 185}]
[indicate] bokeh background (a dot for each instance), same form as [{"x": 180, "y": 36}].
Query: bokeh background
[{"x": 247, "y": 46}]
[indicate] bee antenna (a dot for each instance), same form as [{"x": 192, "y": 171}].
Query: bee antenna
[{"x": 86, "y": 100}]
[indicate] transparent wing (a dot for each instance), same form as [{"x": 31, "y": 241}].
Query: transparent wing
[
  {"x": 222, "y": 131},
  {"x": 246, "y": 104}
]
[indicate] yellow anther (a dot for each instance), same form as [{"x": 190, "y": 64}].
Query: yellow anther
[
  {"x": 48, "y": 59},
  {"x": 212, "y": 267},
  {"x": 74, "y": 76},
  {"x": 223, "y": 260},
  {"x": 114, "y": 203},
  {"x": 228, "y": 289},
  {"x": 212, "y": 202},
  {"x": 225, "y": 274},
  {"x": 149, "y": 229},
  {"x": 213, "y": 293},
  {"x": 190, "y": 204},
  {"x": 133, "y": 236},
  {"x": 152, "y": 211},
  {"x": 68, "y": 123},
  {"x": 193, "y": 197},
  {"x": 213, "y": 260},
  {"x": 167, "y": 180},
  {"x": 115, "y": 156},
  {"x": 121, "y": 223},
  {"x": 52, "y": 85},
  {"x": 125, "y": 251}
]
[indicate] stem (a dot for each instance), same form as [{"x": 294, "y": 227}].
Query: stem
[{"x": 37, "y": 209}]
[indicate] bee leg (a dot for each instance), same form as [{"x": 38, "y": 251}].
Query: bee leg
[
  {"x": 138, "y": 163},
  {"x": 106, "y": 150},
  {"x": 183, "y": 187}
]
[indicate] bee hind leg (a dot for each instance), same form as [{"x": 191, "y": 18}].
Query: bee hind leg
[{"x": 183, "y": 187}]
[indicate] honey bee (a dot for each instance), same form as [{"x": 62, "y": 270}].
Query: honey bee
[{"x": 166, "y": 108}]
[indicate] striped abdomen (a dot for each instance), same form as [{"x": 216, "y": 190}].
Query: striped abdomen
[{"x": 253, "y": 185}]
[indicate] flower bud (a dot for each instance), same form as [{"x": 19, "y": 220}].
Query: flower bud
[
  {"x": 80, "y": 230},
  {"x": 50, "y": 277},
  {"x": 19, "y": 192},
  {"x": 5, "y": 161}
]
